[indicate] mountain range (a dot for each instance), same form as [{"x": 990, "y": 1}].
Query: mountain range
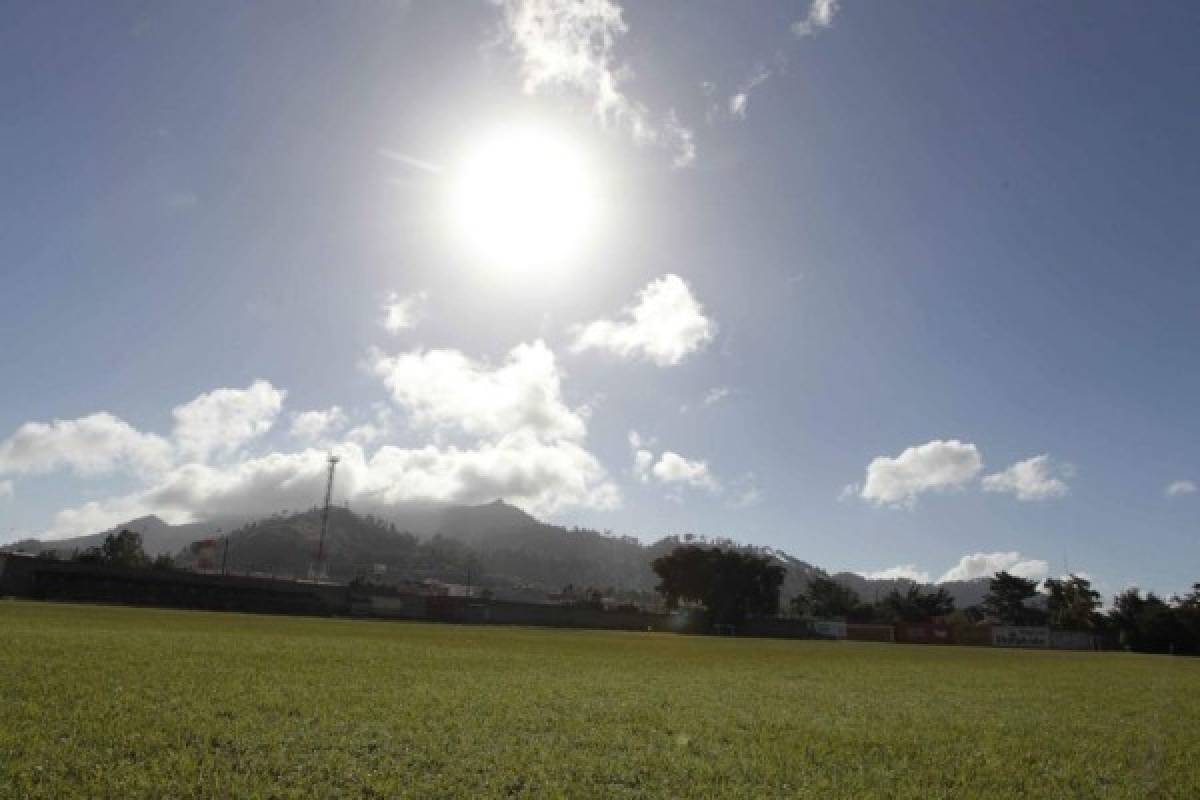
[{"x": 495, "y": 545}]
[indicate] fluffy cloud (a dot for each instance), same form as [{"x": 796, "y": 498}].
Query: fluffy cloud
[
  {"x": 524, "y": 445},
  {"x": 820, "y": 15},
  {"x": 93, "y": 445},
  {"x": 317, "y": 426},
  {"x": 401, "y": 313},
  {"x": 221, "y": 421},
  {"x": 674, "y": 468},
  {"x": 570, "y": 45},
  {"x": 445, "y": 389},
  {"x": 984, "y": 565},
  {"x": 669, "y": 467},
  {"x": 539, "y": 476},
  {"x": 933, "y": 466},
  {"x": 1180, "y": 488},
  {"x": 663, "y": 326},
  {"x": 1034, "y": 478},
  {"x": 907, "y": 572}
]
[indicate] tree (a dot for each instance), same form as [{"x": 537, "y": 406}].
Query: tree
[
  {"x": 1149, "y": 624},
  {"x": 915, "y": 605},
  {"x": 122, "y": 549},
  {"x": 731, "y": 585},
  {"x": 825, "y": 597},
  {"x": 1071, "y": 602},
  {"x": 1005, "y": 600}
]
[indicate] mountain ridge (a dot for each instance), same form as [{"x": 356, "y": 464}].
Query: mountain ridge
[{"x": 493, "y": 544}]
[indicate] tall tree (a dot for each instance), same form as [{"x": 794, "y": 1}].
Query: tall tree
[
  {"x": 914, "y": 605},
  {"x": 825, "y": 597},
  {"x": 1005, "y": 600},
  {"x": 1149, "y": 624},
  {"x": 1071, "y": 602},
  {"x": 731, "y": 585}
]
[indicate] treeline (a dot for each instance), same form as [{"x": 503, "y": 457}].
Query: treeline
[
  {"x": 123, "y": 549},
  {"x": 730, "y": 586}
]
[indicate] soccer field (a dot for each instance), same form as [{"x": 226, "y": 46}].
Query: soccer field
[{"x": 122, "y": 702}]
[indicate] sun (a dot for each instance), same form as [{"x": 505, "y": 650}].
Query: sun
[{"x": 523, "y": 199}]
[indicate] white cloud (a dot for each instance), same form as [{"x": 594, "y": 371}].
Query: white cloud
[
  {"x": 539, "y": 476},
  {"x": 908, "y": 572},
  {"x": 933, "y": 466},
  {"x": 317, "y": 426},
  {"x": 373, "y": 431},
  {"x": 674, "y": 468},
  {"x": 446, "y": 389},
  {"x": 663, "y": 326},
  {"x": 820, "y": 15},
  {"x": 403, "y": 312},
  {"x": 643, "y": 460},
  {"x": 526, "y": 447},
  {"x": 93, "y": 445},
  {"x": 715, "y": 395},
  {"x": 6, "y": 490},
  {"x": 542, "y": 477},
  {"x": 1034, "y": 478},
  {"x": 737, "y": 105},
  {"x": 984, "y": 565},
  {"x": 221, "y": 421},
  {"x": 570, "y": 45},
  {"x": 669, "y": 468},
  {"x": 1180, "y": 488},
  {"x": 738, "y": 102}
]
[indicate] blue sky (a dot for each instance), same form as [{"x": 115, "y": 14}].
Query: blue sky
[{"x": 951, "y": 237}]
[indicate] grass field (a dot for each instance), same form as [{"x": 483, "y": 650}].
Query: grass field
[{"x": 118, "y": 702}]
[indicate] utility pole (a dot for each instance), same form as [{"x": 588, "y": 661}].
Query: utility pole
[
  {"x": 224, "y": 554},
  {"x": 333, "y": 460}
]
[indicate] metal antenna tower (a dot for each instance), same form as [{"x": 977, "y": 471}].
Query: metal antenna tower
[{"x": 333, "y": 460}]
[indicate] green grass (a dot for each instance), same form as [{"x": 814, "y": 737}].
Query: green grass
[{"x": 119, "y": 702}]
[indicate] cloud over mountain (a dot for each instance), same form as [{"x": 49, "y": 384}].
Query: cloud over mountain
[{"x": 984, "y": 565}]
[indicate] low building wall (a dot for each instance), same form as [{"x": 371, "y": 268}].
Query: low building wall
[
  {"x": 829, "y": 628},
  {"x": 1020, "y": 636},
  {"x": 924, "y": 633},
  {"x": 1073, "y": 640},
  {"x": 857, "y": 632},
  {"x": 71, "y": 581},
  {"x": 778, "y": 627},
  {"x": 977, "y": 635}
]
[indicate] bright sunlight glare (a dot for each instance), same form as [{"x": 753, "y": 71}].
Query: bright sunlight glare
[{"x": 524, "y": 199}]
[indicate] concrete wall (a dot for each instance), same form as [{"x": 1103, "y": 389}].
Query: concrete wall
[
  {"x": 1020, "y": 636},
  {"x": 870, "y": 633},
  {"x": 47, "y": 579},
  {"x": 924, "y": 633},
  {"x": 829, "y": 628},
  {"x": 1073, "y": 640}
]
